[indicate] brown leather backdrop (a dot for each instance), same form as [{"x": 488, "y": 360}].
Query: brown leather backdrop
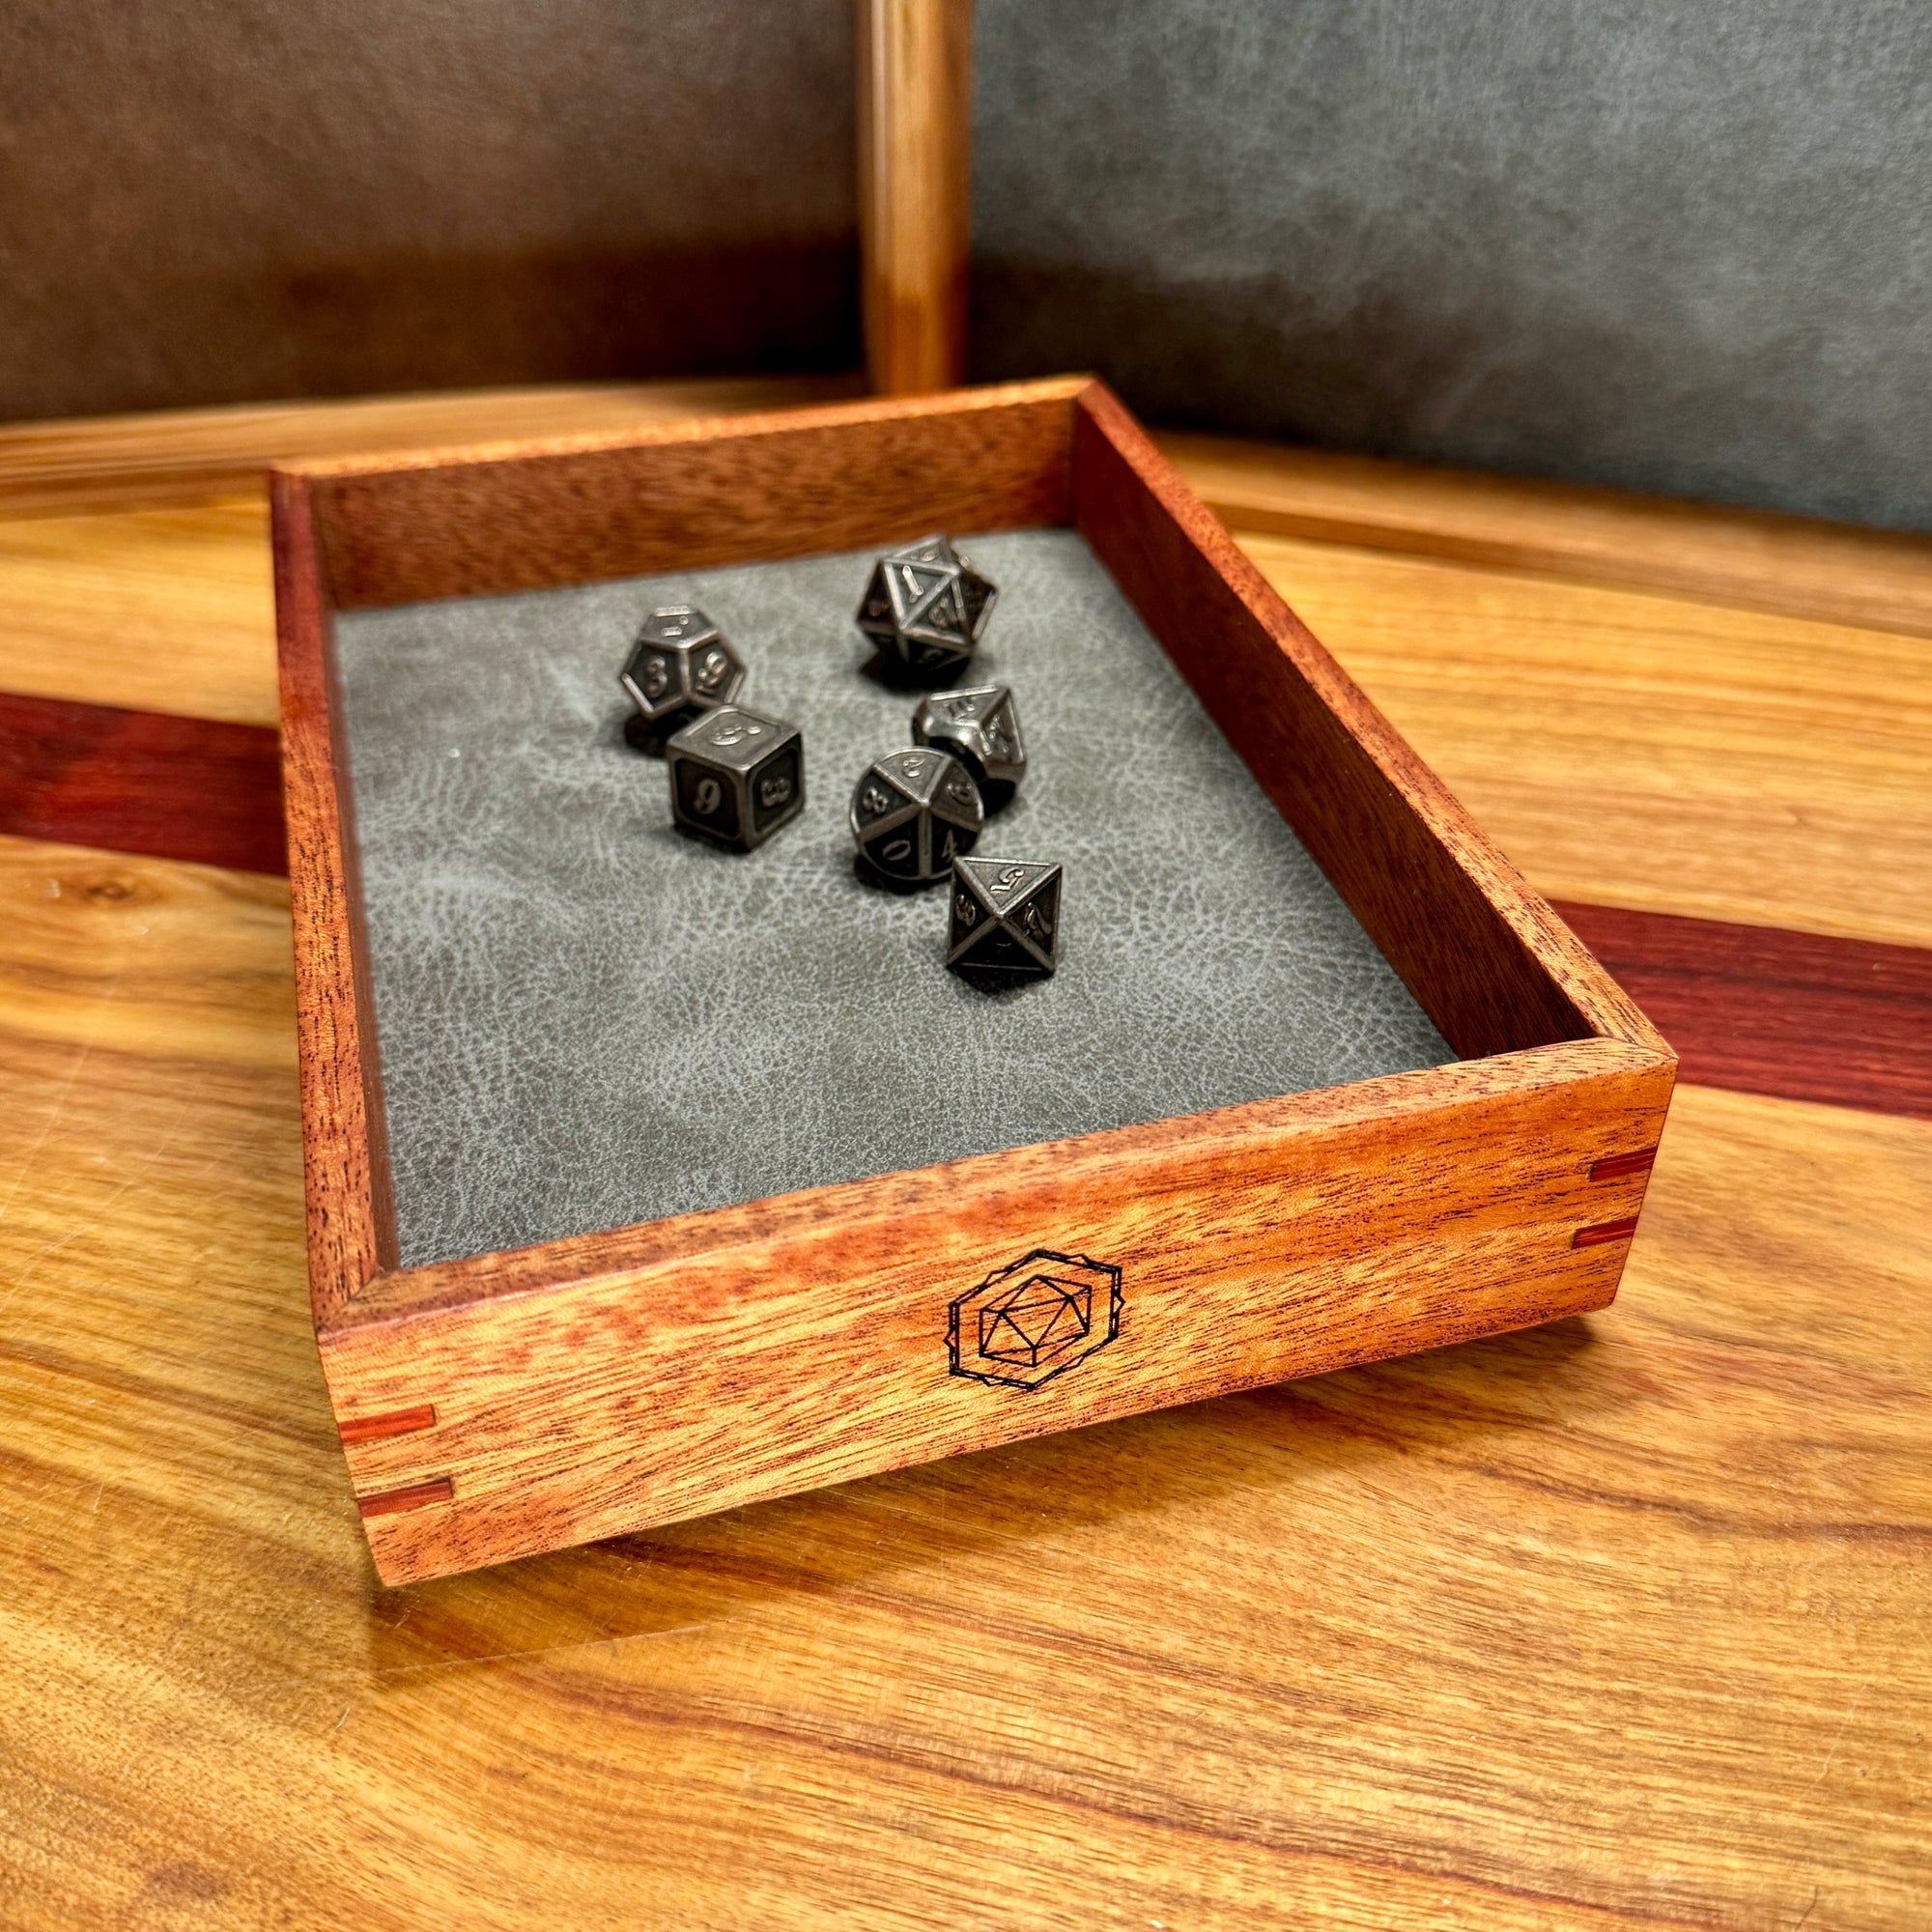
[{"x": 222, "y": 200}]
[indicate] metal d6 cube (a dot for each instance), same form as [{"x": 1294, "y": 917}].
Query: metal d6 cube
[
  {"x": 913, "y": 812},
  {"x": 981, "y": 729},
  {"x": 736, "y": 775},
  {"x": 926, "y": 609},
  {"x": 1004, "y": 917},
  {"x": 681, "y": 664}
]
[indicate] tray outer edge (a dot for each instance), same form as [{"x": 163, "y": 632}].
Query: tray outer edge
[
  {"x": 592, "y": 1387},
  {"x": 1253, "y": 1246}
]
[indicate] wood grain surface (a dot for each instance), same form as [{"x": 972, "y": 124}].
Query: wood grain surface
[
  {"x": 1649, "y": 752},
  {"x": 1755, "y": 560},
  {"x": 915, "y": 112},
  {"x": 345, "y": 1136},
  {"x": 165, "y": 609},
  {"x": 1618, "y": 1623},
  {"x": 544, "y": 511},
  {"x": 185, "y": 456},
  {"x": 1615, "y": 1623}
]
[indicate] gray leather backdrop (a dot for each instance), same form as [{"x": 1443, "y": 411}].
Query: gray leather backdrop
[
  {"x": 218, "y": 200},
  {"x": 1679, "y": 245},
  {"x": 586, "y": 1020}
]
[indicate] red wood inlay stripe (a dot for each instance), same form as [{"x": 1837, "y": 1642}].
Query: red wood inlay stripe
[
  {"x": 1615, "y": 1166},
  {"x": 390, "y": 1502},
  {"x": 379, "y": 1428},
  {"x": 141, "y": 781},
  {"x": 1755, "y": 1008},
  {"x": 1604, "y": 1231},
  {"x": 1760, "y": 1010}
]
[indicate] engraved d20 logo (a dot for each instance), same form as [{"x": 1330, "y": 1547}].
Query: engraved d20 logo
[{"x": 1035, "y": 1318}]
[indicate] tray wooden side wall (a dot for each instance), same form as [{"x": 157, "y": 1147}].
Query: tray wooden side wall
[{"x": 509, "y": 1404}]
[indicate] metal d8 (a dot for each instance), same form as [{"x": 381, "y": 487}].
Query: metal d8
[{"x": 1003, "y": 917}]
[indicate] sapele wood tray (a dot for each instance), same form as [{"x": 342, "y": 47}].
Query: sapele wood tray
[{"x": 507, "y": 1382}]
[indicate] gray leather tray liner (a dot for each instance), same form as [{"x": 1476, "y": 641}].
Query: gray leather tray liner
[{"x": 586, "y": 1020}]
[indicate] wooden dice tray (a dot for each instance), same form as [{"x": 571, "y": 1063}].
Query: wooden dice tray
[{"x": 511, "y": 1403}]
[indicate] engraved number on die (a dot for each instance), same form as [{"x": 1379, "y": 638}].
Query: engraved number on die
[{"x": 707, "y": 795}]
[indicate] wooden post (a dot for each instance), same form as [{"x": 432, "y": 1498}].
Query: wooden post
[{"x": 914, "y": 139}]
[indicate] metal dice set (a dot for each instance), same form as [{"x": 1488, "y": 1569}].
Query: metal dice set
[
  {"x": 737, "y": 776},
  {"x": 917, "y": 813}
]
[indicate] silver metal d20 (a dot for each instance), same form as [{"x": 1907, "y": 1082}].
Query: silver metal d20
[
  {"x": 735, "y": 776},
  {"x": 925, "y": 610},
  {"x": 981, "y": 729},
  {"x": 1004, "y": 917},
  {"x": 913, "y": 814},
  {"x": 681, "y": 664}
]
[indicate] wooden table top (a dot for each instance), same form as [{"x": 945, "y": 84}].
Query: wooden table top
[{"x": 1621, "y": 1622}]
